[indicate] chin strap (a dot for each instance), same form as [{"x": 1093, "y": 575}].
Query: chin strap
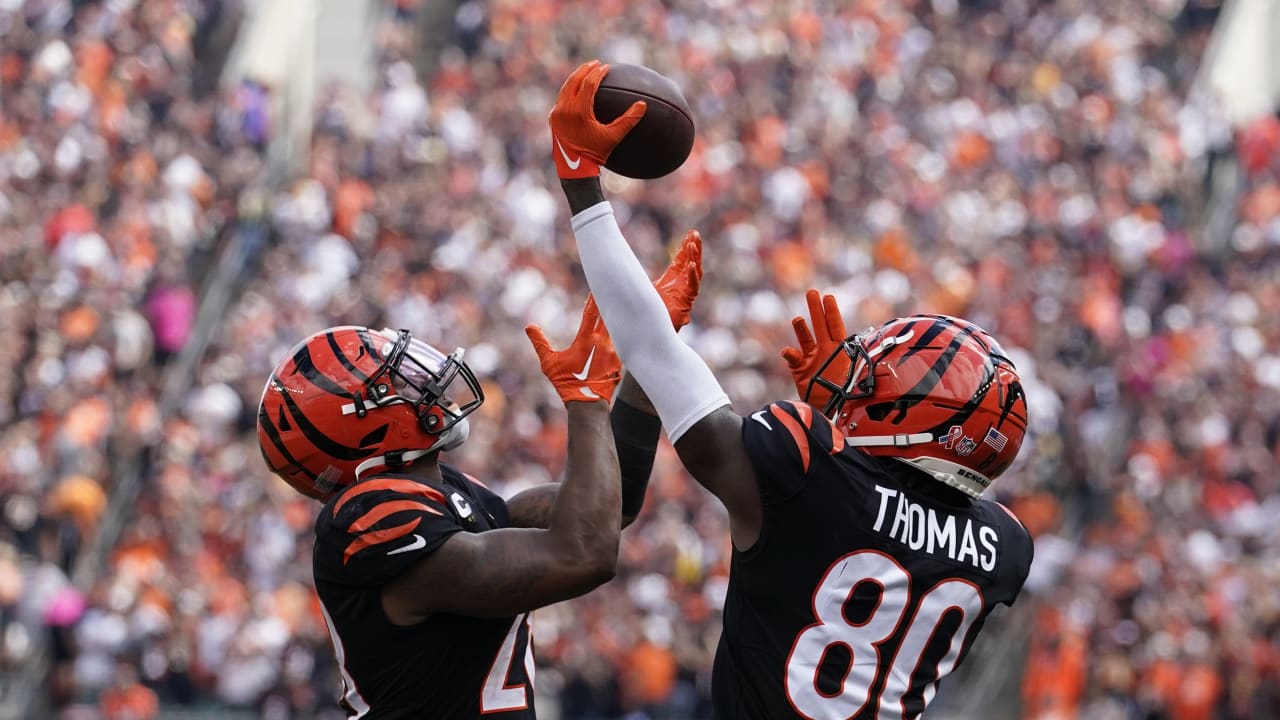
[
  {"x": 948, "y": 473},
  {"x": 450, "y": 439},
  {"x": 392, "y": 459},
  {"x": 961, "y": 478}
]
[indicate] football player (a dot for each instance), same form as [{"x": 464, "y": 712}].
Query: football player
[
  {"x": 426, "y": 578},
  {"x": 865, "y": 559}
]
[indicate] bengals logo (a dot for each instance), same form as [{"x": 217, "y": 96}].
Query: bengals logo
[{"x": 956, "y": 441}]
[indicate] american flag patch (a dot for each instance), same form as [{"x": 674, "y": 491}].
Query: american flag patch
[{"x": 995, "y": 439}]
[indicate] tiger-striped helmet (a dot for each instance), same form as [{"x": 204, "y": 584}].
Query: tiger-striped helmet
[
  {"x": 934, "y": 391},
  {"x": 348, "y": 400}
]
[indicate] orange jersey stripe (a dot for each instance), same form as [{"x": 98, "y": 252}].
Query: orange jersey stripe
[
  {"x": 400, "y": 485},
  {"x": 837, "y": 437},
  {"x": 370, "y": 539},
  {"x": 372, "y": 517},
  {"x": 1009, "y": 512},
  {"x": 806, "y": 413},
  {"x": 797, "y": 433}
]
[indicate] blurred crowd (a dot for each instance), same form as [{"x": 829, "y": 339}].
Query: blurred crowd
[
  {"x": 119, "y": 170},
  {"x": 1035, "y": 167}
]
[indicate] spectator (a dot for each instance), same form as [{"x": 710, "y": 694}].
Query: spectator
[
  {"x": 1028, "y": 165},
  {"x": 127, "y": 699}
]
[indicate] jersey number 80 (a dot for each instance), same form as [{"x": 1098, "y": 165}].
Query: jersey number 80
[{"x": 868, "y": 666}]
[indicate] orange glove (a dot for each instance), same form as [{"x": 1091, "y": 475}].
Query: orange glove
[
  {"x": 678, "y": 284},
  {"x": 580, "y": 142},
  {"x": 805, "y": 361},
  {"x": 586, "y": 371}
]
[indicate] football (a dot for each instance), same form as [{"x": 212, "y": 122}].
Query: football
[{"x": 661, "y": 141}]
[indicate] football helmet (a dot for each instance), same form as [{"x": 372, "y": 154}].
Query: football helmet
[
  {"x": 349, "y": 399},
  {"x": 934, "y": 391}
]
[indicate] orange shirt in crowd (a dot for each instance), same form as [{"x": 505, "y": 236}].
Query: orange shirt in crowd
[
  {"x": 352, "y": 199},
  {"x": 1055, "y": 672},
  {"x": 1198, "y": 694},
  {"x": 651, "y": 673},
  {"x": 134, "y": 702}
]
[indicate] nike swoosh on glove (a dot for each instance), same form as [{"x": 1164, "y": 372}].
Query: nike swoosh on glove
[
  {"x": 588, "y": 369},
  {"x": 580, "y": 143}
]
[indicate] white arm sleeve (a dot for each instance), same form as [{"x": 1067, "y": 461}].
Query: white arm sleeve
[{"x": 677, "y": 381}]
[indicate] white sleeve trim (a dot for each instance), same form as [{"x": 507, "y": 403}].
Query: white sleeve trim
[
  {"x": 676, "y": 379},
  {"x": 591, "y": 214}
]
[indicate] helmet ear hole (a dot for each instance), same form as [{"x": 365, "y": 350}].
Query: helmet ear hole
[
  {"x": 374, "y": 437},
  {"x": 880, "y": 411}
]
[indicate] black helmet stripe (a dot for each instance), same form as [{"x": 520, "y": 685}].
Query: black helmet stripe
[
  {"x": 342, "y": 358},
  {"x": 367, "y": 342},
  {"x": 264, "y": 421},
  {"x": 926, "y": 384},
  {"x": 319, "y": 439},
  {"x": 970, "y": 407},
  {"x": 936, "y": 328},
  {"x": 306, "y": 367},
  {"x": 1015, "y": 393}
]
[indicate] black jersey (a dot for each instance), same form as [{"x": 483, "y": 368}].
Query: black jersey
[
  {"x": 448, "y": 666},
  {"x": 861, "y": 592}
]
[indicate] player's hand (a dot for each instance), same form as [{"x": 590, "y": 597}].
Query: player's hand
[
  {"x": 586, "y": 371},
  {"x": 579, "y": 142},
  {"x": 678, "y": 284},
  {"x": 815, "y": 347}
]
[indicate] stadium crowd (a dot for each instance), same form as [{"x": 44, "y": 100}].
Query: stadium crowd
[{"x": 1028, "y": 165}]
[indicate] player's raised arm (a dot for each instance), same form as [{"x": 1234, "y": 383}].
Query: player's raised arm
[
  {"x": 693, "y": 407},
  {"x": 512, "y": 570},
  {"x": 635, "y": 423}
]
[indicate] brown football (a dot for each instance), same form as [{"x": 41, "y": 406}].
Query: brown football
[{"x": 661, "y": 141}]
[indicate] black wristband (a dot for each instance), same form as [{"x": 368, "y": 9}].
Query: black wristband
[
  {"x": 635, "y": 433},
  {"x": 582, "y": 193}
]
